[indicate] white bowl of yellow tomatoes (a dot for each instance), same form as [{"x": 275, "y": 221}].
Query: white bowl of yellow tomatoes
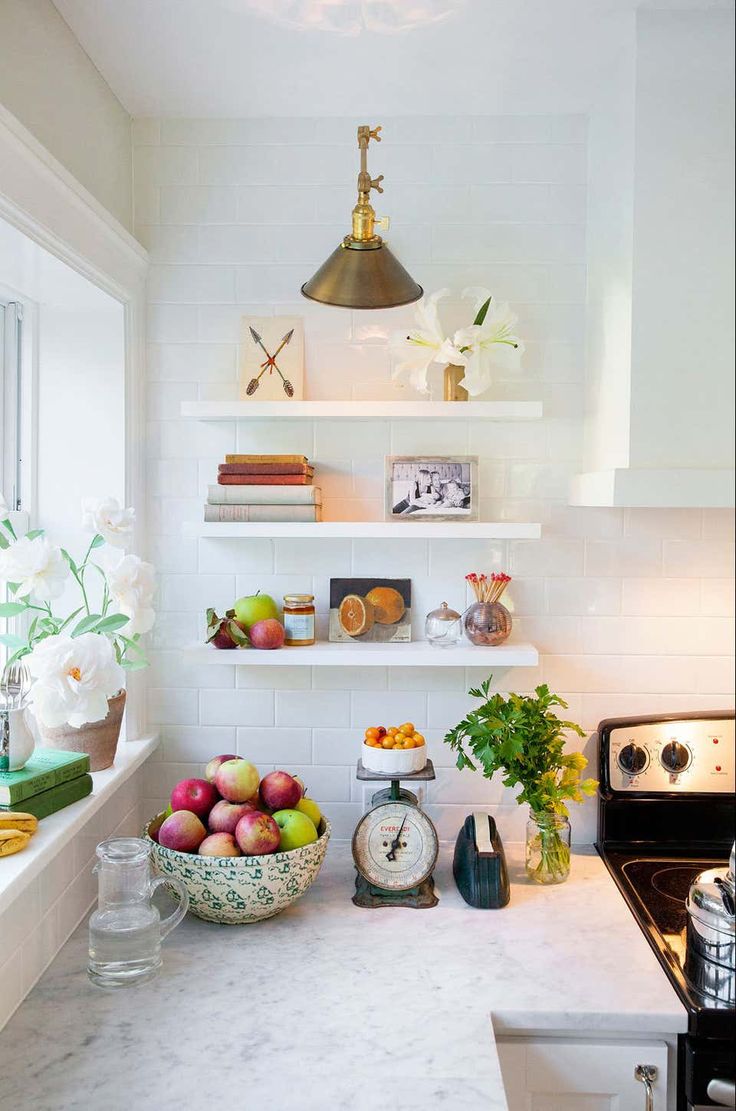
[{"x": 399, "y": 750}]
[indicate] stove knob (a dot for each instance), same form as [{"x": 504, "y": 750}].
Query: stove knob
[
  {"x": 632, "y": 759},
  {"x": 675, "y": 757}
]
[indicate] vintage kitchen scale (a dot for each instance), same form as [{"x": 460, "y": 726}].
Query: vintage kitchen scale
[{"x": 395, "y": 846}]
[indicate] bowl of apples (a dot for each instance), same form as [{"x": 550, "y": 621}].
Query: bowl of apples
[
  {"x": 398, "y": 750},
  {"x": 245, "y": 848}
]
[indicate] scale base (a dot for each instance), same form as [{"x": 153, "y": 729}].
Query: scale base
[{"x": 417, "y": 898}]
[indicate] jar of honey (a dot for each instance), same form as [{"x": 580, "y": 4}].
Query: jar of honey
[{"x": 299, "y": 620}]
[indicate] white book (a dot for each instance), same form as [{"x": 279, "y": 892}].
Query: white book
[
  {"x": 232, "y": 513},
  {"x": 264, "y": 495}
]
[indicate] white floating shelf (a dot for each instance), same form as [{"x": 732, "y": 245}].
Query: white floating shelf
[
  {"x": 364, "y": 530},
  {"x": 362, "y": 410},
  {"x": 416, "y": 654}
]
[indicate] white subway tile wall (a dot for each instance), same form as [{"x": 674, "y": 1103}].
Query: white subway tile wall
[
  {"x": 632, "y": 610},
  {"x": 60, "y": 896}
]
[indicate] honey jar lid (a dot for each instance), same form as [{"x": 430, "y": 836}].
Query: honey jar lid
[{"x": 298, "y": 599}]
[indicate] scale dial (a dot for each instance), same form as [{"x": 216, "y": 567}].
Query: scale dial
[{"x": 407, "y": 864}]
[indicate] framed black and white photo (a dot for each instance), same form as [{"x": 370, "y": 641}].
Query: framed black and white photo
[{"x": 432, "y": 488}]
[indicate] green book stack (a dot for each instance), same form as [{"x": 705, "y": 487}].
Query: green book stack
[{"x": 51, "y": 780}]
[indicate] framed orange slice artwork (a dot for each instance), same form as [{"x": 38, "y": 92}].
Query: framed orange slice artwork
[{"x": 370, "y": 610}]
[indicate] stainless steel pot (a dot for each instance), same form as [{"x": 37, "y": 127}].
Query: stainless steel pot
[{"x": 710, "y": 961}]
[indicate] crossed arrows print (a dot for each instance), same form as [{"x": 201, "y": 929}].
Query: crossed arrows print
[{"x": 270, "y": 364}]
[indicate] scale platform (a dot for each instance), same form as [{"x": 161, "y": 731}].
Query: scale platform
[{"x": 424, "y": 775}]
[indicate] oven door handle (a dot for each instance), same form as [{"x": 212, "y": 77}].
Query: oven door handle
[{"x": 722, "y": 1092}]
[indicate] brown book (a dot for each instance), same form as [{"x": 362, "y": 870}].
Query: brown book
[
  {"x": 264, "y": 479},
  {"x": 265, "y": 468},
  {"x": 266, "y": 459}
]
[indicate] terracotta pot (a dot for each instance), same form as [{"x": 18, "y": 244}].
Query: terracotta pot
[{"x": 99, "y": 739}]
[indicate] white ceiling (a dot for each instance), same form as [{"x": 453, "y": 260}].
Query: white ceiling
[
  {"x": 230, "y": 58},
  {"x": 201, "y": 58}
]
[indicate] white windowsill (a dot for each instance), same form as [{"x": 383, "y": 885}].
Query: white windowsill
[{"x": 54, "y": 832}]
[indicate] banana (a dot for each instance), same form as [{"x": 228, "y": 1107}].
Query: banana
[
  {"x": 12, "y": 841},
  {"x": 16, "y": 819}
]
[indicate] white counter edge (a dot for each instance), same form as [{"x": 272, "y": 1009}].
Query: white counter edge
[{"x": 56, "y": 831}]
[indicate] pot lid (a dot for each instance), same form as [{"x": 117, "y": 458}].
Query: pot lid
[{"x": 712, "y": 898}]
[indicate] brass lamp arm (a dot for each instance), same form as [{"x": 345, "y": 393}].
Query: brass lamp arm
[{"x": 364, "y": 215}]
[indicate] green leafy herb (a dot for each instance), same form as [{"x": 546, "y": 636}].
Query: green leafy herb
[{"x": 521, "y": 738}]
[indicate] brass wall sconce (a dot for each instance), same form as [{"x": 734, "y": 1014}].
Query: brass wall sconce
[{"x": 362, "y": 273}]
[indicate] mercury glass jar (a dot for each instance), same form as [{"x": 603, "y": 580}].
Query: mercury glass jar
[
  {"x": 487, "y": 623},
  {"x": 443, "y": 627},
  {"x": 298, "y": 620}
]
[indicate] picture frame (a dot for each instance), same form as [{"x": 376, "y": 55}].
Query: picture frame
[
  {"x": 370, "y": 610},
  {"x": 432, "y": 488},
  {"x": 271, "y": 358}
]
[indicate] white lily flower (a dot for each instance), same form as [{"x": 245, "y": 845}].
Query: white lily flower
[
  {"x": 111, "y": 520},
  {"x": 132, "y": 584},
  {"x": 36, "y": 566},
  {"x": 493, "y": 343},
  {"x": 74, "y": 677},
  {"x": 424, "y": 345}
]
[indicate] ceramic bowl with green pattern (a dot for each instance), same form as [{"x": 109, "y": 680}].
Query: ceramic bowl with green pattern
[{"x": 236, "y": 889}]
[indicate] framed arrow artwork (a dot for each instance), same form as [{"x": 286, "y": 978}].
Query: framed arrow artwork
[{"x": 272, "y": 358}]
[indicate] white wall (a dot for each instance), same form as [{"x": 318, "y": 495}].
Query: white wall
[
  {"x": 50, "y": 84},
  {"x": 683, "y": 279},
  {"x": 632, "y": 611}
]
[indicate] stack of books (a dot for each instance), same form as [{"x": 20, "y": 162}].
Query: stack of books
[
  {"x": 264, "y": 488},
  {"x": 51, "y": 780}
]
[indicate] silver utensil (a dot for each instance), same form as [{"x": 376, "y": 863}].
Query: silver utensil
[{"x": 15, "y": 686}]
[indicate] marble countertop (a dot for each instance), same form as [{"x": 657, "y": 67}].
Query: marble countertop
[{"x": 331, "y": 1007}]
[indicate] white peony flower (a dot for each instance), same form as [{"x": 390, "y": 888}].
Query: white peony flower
[
  {"x": 74, "y": 677},
  {"x": 424, "y": 345},
  {"x": 132, "y": 584},
  {"x": 36, "y": 565},
  {"x": 107, "y": 517}
]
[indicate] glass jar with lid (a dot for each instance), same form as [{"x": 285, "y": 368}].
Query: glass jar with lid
[
  {"x": 443, "y": 627},
  {"x": 299, "y": 620}
]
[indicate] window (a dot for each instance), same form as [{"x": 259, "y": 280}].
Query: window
[{"x": 11, "y": 340}]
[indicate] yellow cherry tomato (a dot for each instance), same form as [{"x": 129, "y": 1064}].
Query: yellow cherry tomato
[
  {"x": 407, "y": 728},
  {"x": 418, "y": 740},
  {"x": 388, "y": 741}
]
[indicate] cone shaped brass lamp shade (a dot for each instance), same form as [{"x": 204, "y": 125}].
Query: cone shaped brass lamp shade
[
  {"x": 362, "y": 279},
  {"x": 362, "y": 273}
]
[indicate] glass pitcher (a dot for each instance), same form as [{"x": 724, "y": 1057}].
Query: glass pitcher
[{"x": 126, "y": 931}]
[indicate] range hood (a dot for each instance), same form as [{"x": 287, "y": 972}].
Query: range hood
[{"x": 660, "y": 405}]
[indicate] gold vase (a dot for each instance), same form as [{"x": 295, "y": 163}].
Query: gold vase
[{"x": 454, "y": 374}]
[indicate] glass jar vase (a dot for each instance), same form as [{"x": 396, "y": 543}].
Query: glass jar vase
[
  {"x": 487, "y": 623},
  {"x": 547, "y": 848},
  {"x": 443, "y": 627}
]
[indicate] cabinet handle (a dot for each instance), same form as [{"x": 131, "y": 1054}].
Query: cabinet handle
[{"x": 647, "y": 1074}]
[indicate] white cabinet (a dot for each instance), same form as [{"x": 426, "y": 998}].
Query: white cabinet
[{"x": 562, "y": 1075}]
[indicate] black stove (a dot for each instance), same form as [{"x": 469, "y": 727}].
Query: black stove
[{"x": 666, "y": 813}]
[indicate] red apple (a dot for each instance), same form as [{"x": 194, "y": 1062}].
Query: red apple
[
  {"x": 224, "y": 816},
  {"x": 182, "y": 831},
  {"x": 225, "y": 632},
  {"x": 280, "y": 791},
  {"x": 257, "y": 834},
  {"x": 211, "y": 770},
  {"x": 219, "y": 844},
  {"x": 237, "y": 780},
  {"x": 267, "y": 634},
  {"x": 196, "y": 795}
]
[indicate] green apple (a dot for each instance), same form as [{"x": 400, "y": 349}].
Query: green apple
[
  {"x": 297, "y": 829},
  {"x": 310, "y": 808},
  {"x": 255, "y": 607}
]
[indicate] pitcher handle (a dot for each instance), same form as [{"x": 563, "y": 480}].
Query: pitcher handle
[{"x": 168, "y": 924}]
